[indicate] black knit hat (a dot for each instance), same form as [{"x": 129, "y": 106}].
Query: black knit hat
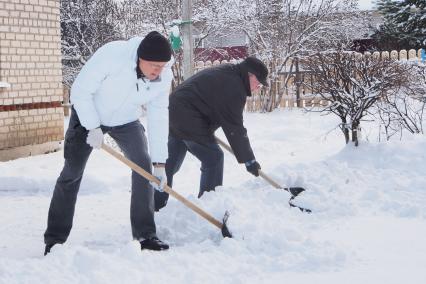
[
  {"x": 155, "y": 47},
  {"x": 257, "y": 68}
]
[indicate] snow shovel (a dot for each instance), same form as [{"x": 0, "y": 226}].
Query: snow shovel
[
  {"x": 294, "y": 191},
  {"x": 221, "y": 225}
]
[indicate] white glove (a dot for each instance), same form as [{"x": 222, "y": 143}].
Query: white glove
[
  {"x": 160, "y": 173},
  {"x": 95, "y": 138}
]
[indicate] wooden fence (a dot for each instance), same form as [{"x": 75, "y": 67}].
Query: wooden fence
[{"x": 294, "y": 93}]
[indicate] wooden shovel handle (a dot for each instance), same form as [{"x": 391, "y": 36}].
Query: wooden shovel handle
[
  {"x": 167, "y": 189},
  {"x": 294, "y": 191},
  {"x": 261, "y": 173}
]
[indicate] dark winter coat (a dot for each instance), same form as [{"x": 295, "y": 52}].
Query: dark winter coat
[{"x": 213, "y": 98}]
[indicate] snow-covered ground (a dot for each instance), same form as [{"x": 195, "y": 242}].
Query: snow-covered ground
[{"x": 368, "y": 224}]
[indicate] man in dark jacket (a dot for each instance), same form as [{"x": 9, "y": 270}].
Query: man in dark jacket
[{"x": 212, "y": 98}]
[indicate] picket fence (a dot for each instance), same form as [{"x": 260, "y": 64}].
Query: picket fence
[{"x": 288, "y": 97}]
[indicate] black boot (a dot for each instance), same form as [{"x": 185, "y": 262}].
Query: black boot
[
  {"x": 48, "y": 248},
  {"x": 153, "y": 244}
]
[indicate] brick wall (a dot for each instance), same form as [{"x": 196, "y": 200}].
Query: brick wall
[{"x": 31, "y": 116}]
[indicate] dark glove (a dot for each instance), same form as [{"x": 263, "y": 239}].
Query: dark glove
[{"x": 253, "y": 167}]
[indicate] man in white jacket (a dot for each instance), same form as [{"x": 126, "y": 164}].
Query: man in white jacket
[{"x": 107, "y": 96}]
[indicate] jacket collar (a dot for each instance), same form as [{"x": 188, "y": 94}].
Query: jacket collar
[
  {"x": 243, "y": 73},
  {"x": 139, "y": 73}
]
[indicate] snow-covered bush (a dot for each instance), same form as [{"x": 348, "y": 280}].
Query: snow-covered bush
[
  {"x": 404, "y": 110},
  {"x": 353, "y": 83}
]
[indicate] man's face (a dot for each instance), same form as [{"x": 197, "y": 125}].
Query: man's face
[
  {"x": 254, "y": 83},
  {"x": 151, "y": 69}
]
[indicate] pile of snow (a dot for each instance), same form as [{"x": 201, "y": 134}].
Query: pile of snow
[{"x": 368, "y": 222}]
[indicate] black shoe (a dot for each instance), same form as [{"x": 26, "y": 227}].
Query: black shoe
[
  {"x": 48, "y": 248},
  {"x": 153, "y": 244}
]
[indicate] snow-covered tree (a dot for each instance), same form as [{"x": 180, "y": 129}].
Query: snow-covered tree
[
  {"x": 279, "y": 30},
  {"x": 352, "y": 84},
  {"x": 138, "y": 17},
  {"x": 404, "y": 26},
  {"x": 85, "y": 26}
]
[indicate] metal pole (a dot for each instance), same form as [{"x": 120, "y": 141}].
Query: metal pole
[
  {"x": 188, "y": 58},
  {"x": 298, "y": 83}
]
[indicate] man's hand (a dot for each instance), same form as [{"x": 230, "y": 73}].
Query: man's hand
[
  {"x": 253, "y": 167},
  {"x": 160, "y": 173},
  {"x": 95, "y": 138}
]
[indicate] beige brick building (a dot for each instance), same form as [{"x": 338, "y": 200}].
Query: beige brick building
[{"x": 31, "y": 115}]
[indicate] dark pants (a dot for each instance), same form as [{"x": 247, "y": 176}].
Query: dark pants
[
  {"x": 211, "y": 157},
  {"x": 132, "y": 141}
]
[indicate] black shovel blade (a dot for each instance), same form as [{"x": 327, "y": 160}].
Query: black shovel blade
[
  {"x": 225, "y": 231},
  {"x": 295, "y": 191},
  {"x": 305, "y": 210}
]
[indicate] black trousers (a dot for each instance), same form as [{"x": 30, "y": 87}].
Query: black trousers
[
  {"x": 132, "y": 141},
  {"x": 211, "y": 157}
]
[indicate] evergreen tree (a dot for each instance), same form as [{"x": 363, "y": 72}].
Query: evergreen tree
[{"x": 404, "y": 24}]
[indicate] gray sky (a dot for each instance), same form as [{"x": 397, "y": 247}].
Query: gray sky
[{"x": 365, "y": 4}]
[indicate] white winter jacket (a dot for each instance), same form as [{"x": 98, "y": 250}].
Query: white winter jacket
[{"x": 107, "y": 92}]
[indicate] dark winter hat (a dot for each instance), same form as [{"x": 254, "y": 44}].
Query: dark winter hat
[
  {"x": 257, "y": 68},
  {"x": 155, "y": 47}
]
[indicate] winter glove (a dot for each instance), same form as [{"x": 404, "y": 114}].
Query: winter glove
[
  {"x": 253, "y": 167},
  {"x": 160, "y": 173},
  {"x": 95, "y": 138}
]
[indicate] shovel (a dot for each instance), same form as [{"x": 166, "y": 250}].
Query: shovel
[
  {"x": 294, "y": 191},
  {"x": 221, "y": 225}
]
